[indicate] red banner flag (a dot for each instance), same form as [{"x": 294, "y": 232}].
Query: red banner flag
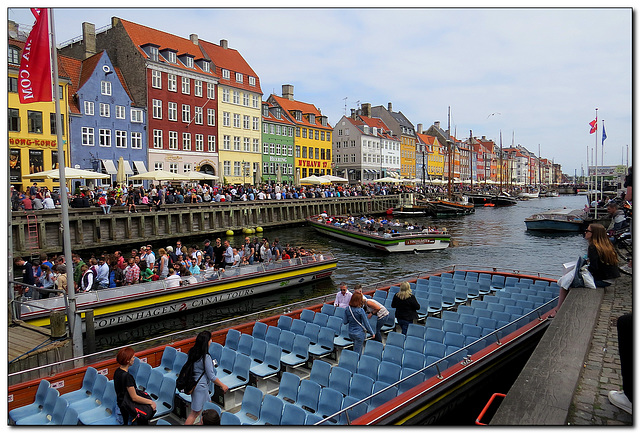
[
  {"x": 34, "y": 77},
  {"x": 594, "y": 126}
]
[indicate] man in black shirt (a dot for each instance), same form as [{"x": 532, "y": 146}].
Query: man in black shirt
[{"x": 27, "y": 276}]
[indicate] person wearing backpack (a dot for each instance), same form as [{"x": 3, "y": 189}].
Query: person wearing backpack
[{"x": 203, "y": 374}]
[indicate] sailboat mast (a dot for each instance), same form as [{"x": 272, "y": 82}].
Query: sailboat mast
[
  {"x": 471, "y": 160},
  {"x": 501, "y": 161}
]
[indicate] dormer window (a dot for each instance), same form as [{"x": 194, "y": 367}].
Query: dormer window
[
  {"x": 265, "y": 111},
  {"x": 189, "y": 62},
  {"x": 169, "y": 55},
  {"x": 239, "y": 77},
  {"x": 312, "y": 118},
  {"x": 205, "y": 65},
  {"x": 278, "y": 113},
  {"x": 172, "y": 57},
  {"x": 186, "y": 60},
  {"x": 226, "y": 74},
  {"x": 298, "y": 115},
  {"x": 252, "y": 81},
  {"x": 152, "y": 51},
  {"x": 323, "y": 120}
]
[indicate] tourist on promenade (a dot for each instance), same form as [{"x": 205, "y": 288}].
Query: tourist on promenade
[
  {"x": 203, "y": 373},
  {"x": 406, "y": 306},
  {"x": 124, "y": 383},
  {"x": 48, "y": 203},
  {"x": 357, "y": 321},
  {"x": 131, "y": 204},
  {"x": 132, "y": 273},
  {"x": 26, "y": 270},
  {"x": 624, "y": 399},
  {"x": 102, "y": 201},
  {"x": 343, "y": 296},
  {"x": 603, "y": 260}
]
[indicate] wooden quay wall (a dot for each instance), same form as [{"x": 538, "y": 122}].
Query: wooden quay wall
[{"x": 91, "y": 228}]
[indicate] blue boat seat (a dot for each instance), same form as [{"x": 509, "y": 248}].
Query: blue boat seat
[
  {"x": 179, "y": 361},
  {"x": 414, "y": 343},
  {"x": 308, "y": 396},
  {"x": 434, "y": 304},
  {"x": 339, "y": 379},
  {"x": 395, "y": 339},
  {"x": 321, "y": 319},
  {"x": 313, "y": 419},
  {"x": 411, "y": 359},
  {"x": 330, "y": 402},
  {"x": 488, "y": 325},
  {"x": 466, "y": 309},
  {"x": 415, "y": 330},
  {"x": 42, "y": 416},
  {"x": 299, "y": 353},
  {"x": 284, "y": 323},
  {"x": 320, "y": 371},
  {"x": 311, "y": 331},
  {"x": 328, "y": 309},
  {"x": 451, "y": 316},
  {"x": 250, "y": 407},
  {"x": 325, "y": 344},
  {"x": 335, "y": 324},
  {"x": 239, "y": 375},
  {"x": 468, "y": 319},
  {"x": 392, "y": 354},
  {"x": 339, "y": 312},
  {"x": 288, "y": 389},
  {"x": 36, "y": 406},
  {"x": 298, "y": 326},
  {"x": 368, "y": 366},
  {"x": 90, "y": 402},
  {"x": 360, "y": 386},
  {"x": 471, "y": 331},
  {"x": 273, "y": 335},
  {"x": 104, "y": 413},
  {"x": 226, "y": 362},
  {"x": 384, "y": 396},
  {"x": 409, "y": 382},
  {"x": 142, "y": 376},
  {"x": 491, "y": 299},
  {"x": 388, "y": 372},
  {"x": 348, "y": 416},
  {"x": 390, "y": 321},
  {"x": 349, "y": 360},
  {"x": 307, "y": 315},
  {"x": 215, "y": 350},
  {"x": 259, "y": 330},
  {"x": 244, "y": 344},
  {"x": 433, "y": 348},
  {"x": 453, "y": 339},
  {"x": 471, "y": 276},
  {"x": 511, "y": 281},
  {"x": 228, "y": 418},
  {"x": 165, "y": 399},
  {"x": 495, "y": 307},
  {"x": 452, "y": 326},
  {"x": 232, "y": 339},
  {"x": 270, "y": 411},
  {"x": 392, "y": 291},
  {"x": 85, "y": 391},
  {"x": 374, "y": 349},
  {"x": 270, "y": 364},
  {"x": 258, "y": 351},
  {"x": 292, "y": 415},
  {"x": 286, "y": 341},
  {"x": 168, "y": 357},
  {"x": 343, "y": 340},
  {"x": 434, "y": 322},
  {"x": 477, "y": 303},
  {"x": 434, "y": 334}
]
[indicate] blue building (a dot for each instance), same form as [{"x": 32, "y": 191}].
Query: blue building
[{"x": 103, "y": 123}]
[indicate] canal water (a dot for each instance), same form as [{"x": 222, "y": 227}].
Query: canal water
[{"x": 490, "y": 237}]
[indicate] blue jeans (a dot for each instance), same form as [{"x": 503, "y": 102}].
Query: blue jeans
[
  {"x": 379, "y": 325},
  {"x": 358, "y": 342},
  {"x": 404, "y": 325}
]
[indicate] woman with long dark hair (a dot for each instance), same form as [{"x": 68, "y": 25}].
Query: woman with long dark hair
[{"x": 204, "y": 373}]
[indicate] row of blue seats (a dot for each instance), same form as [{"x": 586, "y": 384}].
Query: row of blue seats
[{"x": 48, "y": 408}]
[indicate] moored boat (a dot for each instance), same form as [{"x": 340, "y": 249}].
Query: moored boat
[
  {"x": 390, "y": 239},
  {"x": 411, "y": 379},
  {"x": 123, "y": 305},
  {"x": 458, "y": 205},
  {"x": 558, "y": 220}
]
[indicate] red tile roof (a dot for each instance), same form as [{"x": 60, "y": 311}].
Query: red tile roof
[
  {"x": 271, "y": 118},
  {"x": 73, "y": 68},
  {"x": 232, "y": 60},
  {"x": 289, "y": 106}
]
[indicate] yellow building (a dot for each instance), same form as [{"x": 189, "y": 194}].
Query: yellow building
[
  {"x": 33, "y": 141},
  {"x": 434, "y": 156},
  {"x": 407, "y": 157},
  {"x": 312, "y": 139},
  {"x": 239, "y": 115}
]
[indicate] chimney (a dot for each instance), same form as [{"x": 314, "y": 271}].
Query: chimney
[
  {"x": 89, "y": 38},
  {"x": 436, "y": 124},
  {"x": 287, "y": 91},
  {"x": 224, "y": 43},
  {"x": 194, "y": 38},
  {"x": 353, "y": 113},
  {"x": 419, "y": 128},
  {"x": 484, "y": 138},
  {"x": 389, "y": 106},
  {"x": 366, "y": 109}
]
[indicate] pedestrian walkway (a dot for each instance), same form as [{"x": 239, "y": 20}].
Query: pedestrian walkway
[{"x": 601, "y": 370}]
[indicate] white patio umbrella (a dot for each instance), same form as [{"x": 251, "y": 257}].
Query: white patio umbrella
[
  {"x": 334, "y": 179},
  {"x": 313, "y": 180},
  {"x": 159, "y": 175},
  {"x": 69, "y": 173},
  {"x": 198, "y": 175},
  {"x": 387, "y": 180}
]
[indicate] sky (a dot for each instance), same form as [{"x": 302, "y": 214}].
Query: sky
[{"x": 535, "y": 74}]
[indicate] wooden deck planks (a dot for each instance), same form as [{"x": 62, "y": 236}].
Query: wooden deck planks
[{"x": 544, "y": 389}]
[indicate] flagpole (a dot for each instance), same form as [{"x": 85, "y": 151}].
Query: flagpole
[
  {"x": 74, "y": 322},
  {"x": 596, "y": 167},
  {"x": 604, "y": 135}
]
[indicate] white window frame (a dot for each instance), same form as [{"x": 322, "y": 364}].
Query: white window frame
[
  {"x": 186, "y": 113},
  {"x": 173, "y": 140},
  {"x": 105, "y": 110},
  {"x": 245, "y": 99},
  {"x": 186, "y": 141},
  {"x": 89, "y": 108},
  {"x": 236, "y": 143},
  {"x": 197, "y": 115},
  {"x": 226, "y": 118},
  {"x": 136, "y": 115},
  {"x": 226, "y": 143},
  {"x": 158, "y": 166},
  {"x": 172, "y": 82},
  {"x": 256, "y": 101},
  {"x": 121, "y": 111},
  {"x": 105, "y": 88},
  {"x": 136, "y": 140},
  {"x": 225, "y": 95},
  {"x": 157, "y": 108},
  {"x": 236, "y": 120},
  {"x": 226, "y": 168},
  {"x": 226, "y": 74},
  {"x": 172, "y": 111},
  {"x": 121, "y": 139},
  {"x": 186, "y": 167},
  {"x": 199, "y": 143},
  {"x": 185, "y": 85},
  {"x": 211, "y": 91},
  {"x": 104, "y": 137},
  {"x": 211, "y": 143},
  {"x": 236, "y": 168},
  {"x": 256, "y": 123},
  {"x": 239, "y": 77},
  {"x": 88, "y": 136},
  {"x": 156, "y": 79},
  {"x": 252, "y": 81},
  {"x": 157, "y": 139},
  {"x": 236, "y": 97},
  {"x": 211, "y": 116},
  {"x": 197, "y": 87},
  {"x": 246, "y": 144},
  {"x": 246, "y": 121},
  {"x": 173, "y": 167}
]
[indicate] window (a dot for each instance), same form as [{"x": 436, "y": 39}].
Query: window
[
  {"x": 89, "y": 107},
  {"x": 186, "y": 141},
  {"x": 311, "y": 153},
  {"x": 197, "y": 88},
  {"x": 245, "y": 99},
  {"x": 304, "y": 132},
  {"x": 236, "y": 143},
  {"x": 226, "y": 74},
  {"x": 226, "y": 119},
  {"x": 290, "y": 151},
  {"x": 158, "y": 166},
  {"x": 238, "y": 77},
  {"x": 14, "y": 120},
  {"x": 136, "y": 140},
  {"x": 172, "y": 83},
  {"x": 252, "y": 81},
  {"x": 297, "y": 151},
  {"x": 156, "y": 79},
  {"x": 304, "y": 151},
  {"x": 278, "y": 129},
  {"x": 121, "y": 139},
  {"x": 186, "y": 113},
  {"x": 120, "y": 111},
  {"x": 105, "y": 88},
  {"x": 52, "y": 123},
  {"x": 199, "y": 142},
  {"x": 265, "y": 167},
  {"x": 205, "y": 66},
  {"x": 104, "y": 137},
  {"x": 34, "y": 120},
  {"x": 297, "y": 131},
  {"x": 256, "y": 124},
  {"x": 247, "y": 144},
  {"x": 186, "y": 168},
  {"x": 211, "y": 91},
  {"x": 171, "y": 56},
  {"x": 153, "y": 53},
  {"x": 189, "y": 63},
  {"x": 173, "y": 140},
  {"x": 256, "y": 101},
  {"x": 14, "y": 55},
  {"x": 227, "y": 168},
  {"x": 157, "y": 138},
  {"x": 225, "y": 95},
  {"x": 173, "y": 167},
  {"x": 13, "y": 84},
  {"x": 236, "y": 168},
  {"x": 236, "y": 97},
  {"x": 226, "y": 143},
  {"x": 246, "y": 122},
  {"x": 197, "y": 115},
  {"x": 236, "y": 120},
  {"x": 211, "y": 117},
  {"x": 87, "y": 136},
  {"x": 265, "y": 128},
  {"x": 136, "y": 115},
  {"x": 105, "y": 110},
  {"x": 157, "y": 109},
  {"x": 328, "y": 154},
  {"x": 322, "y": 135},
  {"x": 186, "y": 85},
  {"x": 211, "y": 142},
  {"x": 278, "y": 149},
  {"x": 172, "y": 111},
  {"x": 316, "y": 135}
]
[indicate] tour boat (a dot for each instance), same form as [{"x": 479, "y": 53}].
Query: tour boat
[
  {"x": 127, "y": 304},
  {"x": 558, "y": 220},
  {"x": 403, "y": 241},
  {"x": 473, "y": 324}
]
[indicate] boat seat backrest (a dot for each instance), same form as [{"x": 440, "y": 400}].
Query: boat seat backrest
[
  {"x": 293, "y": 415},
  {"x": 286, "y": 341},
  {"x": 384, "y": 396},
  {"x": 339, "y": 379},
  {"x": 232, "y": 339},
  {"x": 328, "y": 309},
  {"x": 259, "y": 330},
  {"x": 271, "y": 410},
  {"x": 434, "y": 322},
  {"x": 433, "y": 348},
  {"x": 392, "y": 354},
  {"x": 321, "y": 319},
  {"x": 284, "y": 323},
  {"x": 389, "y": 372},
  {"x": 215, "y": 350},
  {"x": 415, "y": 330},
  {"x": 311, "y": 331},
  {"x": 330, "y": 402},
  {"x": 244, "y": 344},
  {"x": 410, "y": 359},
  {"x": 355, "y": 412},
  {"x": 250, "y": 407},
  {"x": 307, "y": 315},
  {"x": 395, "y": 339},
  {"x": 298, "y": 326},
  {"x": 308, "y": 395},
  {"x": 360, "y": 386},
  {"x": 288, "y": 389},
  {"x": 273, "y": 335},
  {"x": 373, "y": 349},
  {"x": 368, "y": 365},
  {"x": 349, "y": 360},
  {"x": 168, "y": 356},
  {"x": 320, "y": 371}
]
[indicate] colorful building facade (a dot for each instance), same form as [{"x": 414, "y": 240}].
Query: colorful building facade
[{"x": 277, "y": 146}]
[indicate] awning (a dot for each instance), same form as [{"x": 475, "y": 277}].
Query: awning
[
  {"x": 127, "y": 167},
  {"x": 109, "y": 166},
  {"x": 140, "y": 166}
]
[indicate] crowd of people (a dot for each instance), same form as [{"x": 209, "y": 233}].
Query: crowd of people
[
  {"x": 171, "y": 264},
  {"x": 381, "y": 225}
]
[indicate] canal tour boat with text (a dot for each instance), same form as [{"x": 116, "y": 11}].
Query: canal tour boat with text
[
  {"x": 384, "y": 237},
  {"x": 123, "y": 305},
  {"x": 292, "y": 364}
]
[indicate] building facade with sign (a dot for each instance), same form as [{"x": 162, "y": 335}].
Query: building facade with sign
[
  {"x": 32, "y": 134},
  {"x": 104, "y": 125},
  {"x": 277, "y": 145}
]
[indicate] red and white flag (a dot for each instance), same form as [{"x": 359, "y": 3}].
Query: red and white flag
[
  {"x": 594, "y": 125},
  {"x": 34, "y": 77}
]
